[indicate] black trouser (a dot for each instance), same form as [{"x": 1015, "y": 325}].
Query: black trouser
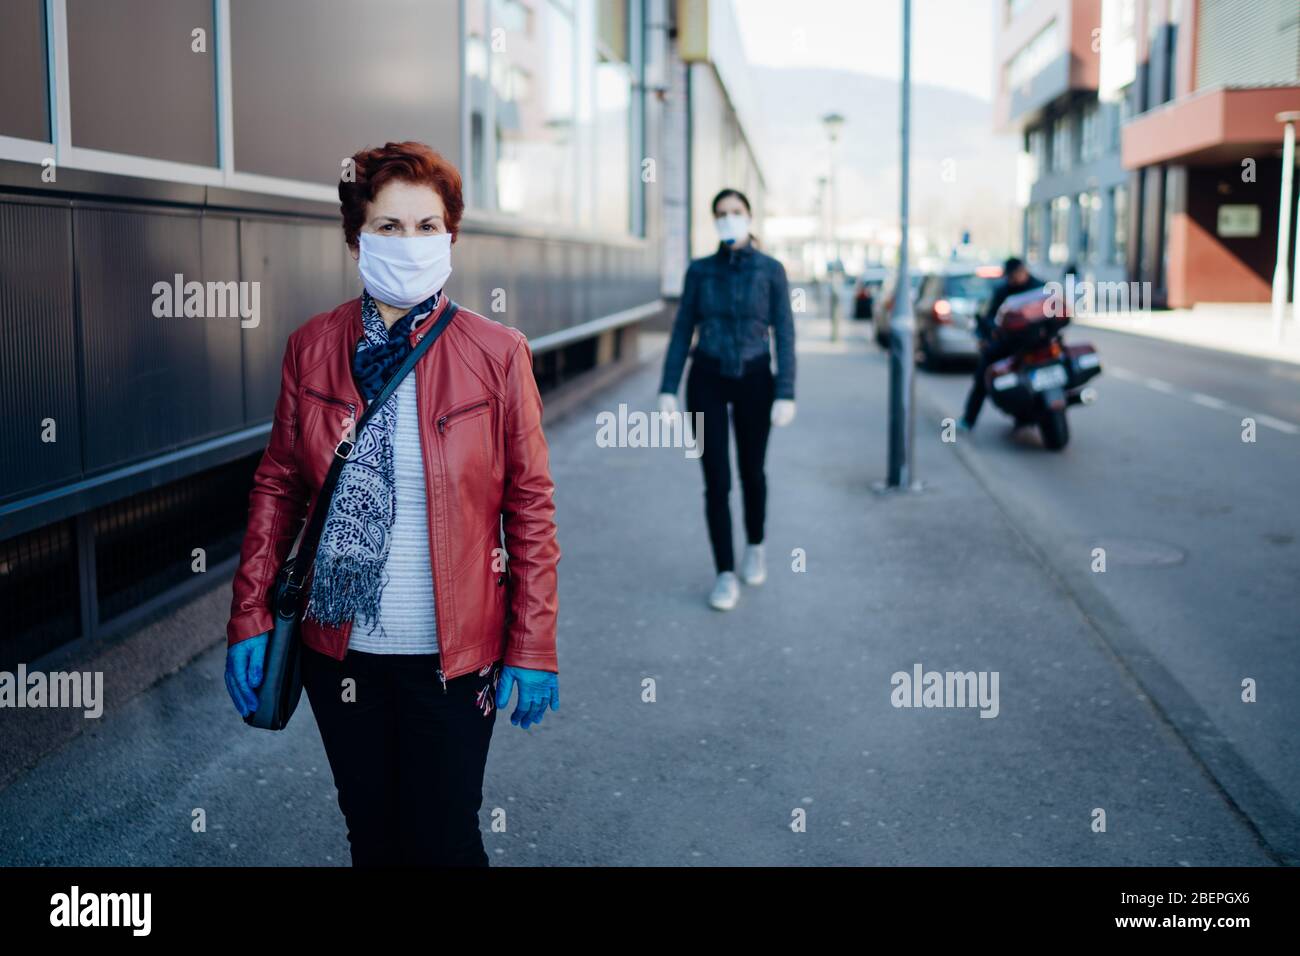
[
  {"x": 407, "y": 758},
  {"x": 990, "y": 352},
  {"x": 750, "y": 398}
]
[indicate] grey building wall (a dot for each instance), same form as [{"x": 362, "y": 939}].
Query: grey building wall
[
  {"x": 1100, "y": 175},
  {"x": 140, "y": 400}
]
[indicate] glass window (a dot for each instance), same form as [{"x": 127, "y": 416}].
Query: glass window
[
  {"x": 1036, "y": 146},
  {"x": 1033, "y": 56},
  {"x": 1089, "y": 225},
  {"x": 1157, "y": 14},
  {"x": 612, "y": 126},
  {"x": 293, "y": 119},
  {"x": 1091, "y": 145},
  {"x": 135, "y": 84},
  {"x": 978, "y": 288},
  {"x": 1119, "y": 220},
  {"x": 534, "y": 87},
  {"x": 478, "y": 189},
  {"x": 1114, "y": 113},
  {"x": 1059, "y": 250},
  {"x": 550, "y": 102},
  {"x": 1033, "y": 232},
  {"x": 24, "y": 108},
  {"x": 1015, "y": 7},
  {"x": 1061, "y": 144}
]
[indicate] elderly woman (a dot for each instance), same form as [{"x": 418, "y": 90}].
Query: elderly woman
[{"x": 433, "y": 591}]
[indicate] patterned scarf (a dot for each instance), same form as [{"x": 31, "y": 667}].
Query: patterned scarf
[{"x": 348, "y": 576}]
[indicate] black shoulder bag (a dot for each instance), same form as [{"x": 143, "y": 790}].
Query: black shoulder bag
[{"x": 282, "y": 677}]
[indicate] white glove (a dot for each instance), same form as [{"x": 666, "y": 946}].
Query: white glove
[
  {"x": 782, "y": 412},
  {"x": 668, "y": 403}
]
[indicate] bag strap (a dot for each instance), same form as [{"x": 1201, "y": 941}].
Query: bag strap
[{"x": 311, "y": 533}]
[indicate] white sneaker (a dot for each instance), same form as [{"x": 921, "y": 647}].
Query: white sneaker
[
  {"x": 726, "y": 592},
  {"x": 753, "y": 568}
]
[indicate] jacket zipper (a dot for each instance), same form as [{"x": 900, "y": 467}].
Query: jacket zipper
[
  {"x": 333, "y": 401},
  {"x": 437, "y": 605},
  {"x": 442, "y": 422}
]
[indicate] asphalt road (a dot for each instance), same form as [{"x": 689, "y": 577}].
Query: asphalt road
[
  {"x": 1116, "y": 691},
  {"x": 1200, "y": 530}
]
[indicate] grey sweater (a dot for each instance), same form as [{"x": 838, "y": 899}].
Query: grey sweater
[{"x": 406, "y": 623}]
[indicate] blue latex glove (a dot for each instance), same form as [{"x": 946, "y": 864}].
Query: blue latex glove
[
  {"x": 244, "y": 671},
  {"x": 536, "y": 690}
]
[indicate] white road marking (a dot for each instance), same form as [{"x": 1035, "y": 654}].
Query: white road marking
[
  {"x": 1200, "y": 398},
  {"x": 1277, "y": 423}
]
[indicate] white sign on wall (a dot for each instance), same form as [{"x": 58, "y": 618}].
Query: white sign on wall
[{"x": 1238, "y": 221}]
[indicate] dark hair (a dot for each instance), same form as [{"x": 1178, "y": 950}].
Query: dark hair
[
  {"x": 410, "y": 162},
  {"x": 713, "y": 206},
  {"x": 1011, "y": 265}
]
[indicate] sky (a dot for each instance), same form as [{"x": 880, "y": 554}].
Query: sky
[{"x": 952, "y": 40}]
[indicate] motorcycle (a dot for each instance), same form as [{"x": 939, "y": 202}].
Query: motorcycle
[{"x": 1043, "y": 375}]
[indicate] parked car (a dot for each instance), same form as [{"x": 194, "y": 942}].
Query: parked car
[
  {"x": 885, "y": 305},
  {"x": 947, "y": 302},
  {"x": 867, "y": 289}
]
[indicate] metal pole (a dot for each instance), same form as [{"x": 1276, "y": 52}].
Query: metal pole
[
  {"x": 902, "y": 321},
  {"x": 1295, "y": 272},
  {"x": 1284, "y": 222},
  {"x": 823, "y": 237},
  {"x": 835, "y": 247}
]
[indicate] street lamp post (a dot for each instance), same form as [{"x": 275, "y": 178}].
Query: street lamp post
[
  {"x": 902, "y": 389},
  {"x": 823, "y": 241},
  {"x": 833, "y": 123},
  {"x": 1284, "y": 227}
]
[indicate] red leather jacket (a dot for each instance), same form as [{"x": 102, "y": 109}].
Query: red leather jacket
[{"x": 485, "y": 465}]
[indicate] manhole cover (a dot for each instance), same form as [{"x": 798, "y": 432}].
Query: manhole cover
[{"x": 1141, "y": 552}]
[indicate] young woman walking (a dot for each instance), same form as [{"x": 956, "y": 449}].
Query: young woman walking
[{"x": 737, "y": 299}]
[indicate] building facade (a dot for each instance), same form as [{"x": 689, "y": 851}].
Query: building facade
[
  {"x": 713, "y": 135},
  {"x": 151, "y": 144},
  {"x": 1204, "y": 145},
  {"x": 1138, "y": 118}
]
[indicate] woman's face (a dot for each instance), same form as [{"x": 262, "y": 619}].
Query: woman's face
[
  {"x": 734, "y": 233},
  {"x": 404, "y": 209},
  {"x": 729, "y": 206}
]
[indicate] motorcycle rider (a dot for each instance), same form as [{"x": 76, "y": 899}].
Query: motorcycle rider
[{"x": 1016, "y": 279}]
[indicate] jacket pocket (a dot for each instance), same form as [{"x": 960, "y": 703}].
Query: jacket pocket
[
  {"x": 465, "y": 434},
  {"x": 323, "y": 421},
  {"x": 462, "y": 413}
]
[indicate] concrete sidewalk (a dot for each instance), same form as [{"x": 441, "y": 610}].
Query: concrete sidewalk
[
  {"x": 1245, "y": 328},
  {"x": 783, "y": 705}
]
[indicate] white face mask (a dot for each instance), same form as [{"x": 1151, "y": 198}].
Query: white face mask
[
  {"x": 404, "y": 271},
  {"x": 732, "y": 227}
]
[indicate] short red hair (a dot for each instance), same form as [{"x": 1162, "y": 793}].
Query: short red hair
[{"x": 410, "y": 162}]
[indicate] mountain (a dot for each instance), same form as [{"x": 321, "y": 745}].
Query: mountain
[{"x": 963, "y": 174}]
